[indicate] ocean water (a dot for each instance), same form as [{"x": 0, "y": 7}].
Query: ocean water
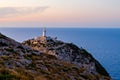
[{"x": 102, "y": 43}]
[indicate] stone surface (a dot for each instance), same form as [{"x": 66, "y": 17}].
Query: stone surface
[
  {"x": 68, "y": 52},
  {"x": 47, "y": 60}
]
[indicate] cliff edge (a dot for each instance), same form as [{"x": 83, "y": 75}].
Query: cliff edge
[
  {"x": 67, "y": 52},
  {"x": 47, "y": 59}
]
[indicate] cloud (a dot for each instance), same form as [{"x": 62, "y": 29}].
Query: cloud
[{"x": 12, "y": 11}]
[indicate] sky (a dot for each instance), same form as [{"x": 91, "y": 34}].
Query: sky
[{"x": 60, "y": 13}]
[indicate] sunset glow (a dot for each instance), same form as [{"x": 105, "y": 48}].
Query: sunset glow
[{"x": 60, "y": 13}]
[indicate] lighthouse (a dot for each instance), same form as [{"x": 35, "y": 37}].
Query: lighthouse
[{"x": 44, "y": 32}]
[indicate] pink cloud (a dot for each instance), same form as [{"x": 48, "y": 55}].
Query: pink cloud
[{"x": 15, "y": 11}]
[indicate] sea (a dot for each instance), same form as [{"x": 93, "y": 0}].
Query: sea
[{"x": 102, "y": 43}]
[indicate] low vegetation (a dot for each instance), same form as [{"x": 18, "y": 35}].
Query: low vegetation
[{"x": 20, "y": 62}]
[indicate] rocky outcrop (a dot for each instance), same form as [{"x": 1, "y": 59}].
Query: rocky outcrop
[
  {"x": 67, "y": 52},
  {"x": 50, "y": 61}
]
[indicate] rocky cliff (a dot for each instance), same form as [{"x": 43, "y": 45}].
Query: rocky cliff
[
  {"x": 46, "y": 58},
  {"x": 67, "y": 52}
]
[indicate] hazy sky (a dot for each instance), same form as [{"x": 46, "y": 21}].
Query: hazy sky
[{"x": 60, "y": 13}]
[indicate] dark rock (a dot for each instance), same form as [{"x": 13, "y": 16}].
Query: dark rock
[
  {"x": 68, "y": 52},
  {"x": 55, "y": 60}
]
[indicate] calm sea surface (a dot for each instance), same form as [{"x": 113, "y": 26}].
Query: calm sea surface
[{"x": 103, "y": 44}]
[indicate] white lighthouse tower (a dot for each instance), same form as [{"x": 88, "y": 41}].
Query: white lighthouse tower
[{"x": 44, "y": 32}]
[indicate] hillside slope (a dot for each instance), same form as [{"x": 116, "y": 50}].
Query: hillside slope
[
  {"x": 67, "y": 52},
  {"x": 20, "y": 62}
]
